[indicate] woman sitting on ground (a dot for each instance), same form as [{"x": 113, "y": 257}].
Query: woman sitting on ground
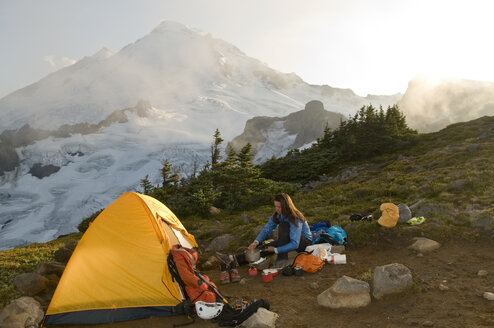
[{"x": 293, "y": 235}]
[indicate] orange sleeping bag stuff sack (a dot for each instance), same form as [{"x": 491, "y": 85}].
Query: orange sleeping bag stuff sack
[{"x": 308, "y": 262}]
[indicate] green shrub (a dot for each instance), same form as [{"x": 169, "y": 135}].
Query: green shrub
[{"x": 84, "y": 225}]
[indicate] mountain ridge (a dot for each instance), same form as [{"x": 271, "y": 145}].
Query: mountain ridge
[{"x": 275, "y": 136}]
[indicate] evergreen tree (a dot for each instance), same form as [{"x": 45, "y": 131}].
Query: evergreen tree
[
  {"x": 215, "y": 148},
  {"x": 244, "y": 157},
  {"x": 231, "y": 158},
  {"x": 170, "y": 176},
  {"x": 146, "y": 186}
]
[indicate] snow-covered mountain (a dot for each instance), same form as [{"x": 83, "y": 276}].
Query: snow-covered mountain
[{"x": 75, "y": 140}]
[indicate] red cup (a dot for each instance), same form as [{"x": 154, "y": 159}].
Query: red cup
[
  {"x": 252, "y": 272},
  {"x": 267, "y": 277}
]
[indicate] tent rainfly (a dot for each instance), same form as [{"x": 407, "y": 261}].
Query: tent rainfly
[{"x": 118, "y": 271}]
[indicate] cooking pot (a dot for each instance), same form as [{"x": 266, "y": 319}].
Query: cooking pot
[{"x": 252, "y": 256}]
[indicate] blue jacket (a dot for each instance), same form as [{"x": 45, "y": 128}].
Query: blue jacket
[{"x": 295, "y": 233}]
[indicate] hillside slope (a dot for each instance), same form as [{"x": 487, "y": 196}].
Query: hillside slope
[{"x": 446, "y": 177}]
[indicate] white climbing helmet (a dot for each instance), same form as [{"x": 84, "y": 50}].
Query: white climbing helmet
[{"x": 208, "y": 310}]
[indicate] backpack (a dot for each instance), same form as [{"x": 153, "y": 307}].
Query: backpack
[
  {"x": 360, "y": 217},
  {"x": 193, "y": 284},
  {"x": 335, "y": 235},
  {"x": 234, "y": 316},
  {"x": 308, "y": 262}
]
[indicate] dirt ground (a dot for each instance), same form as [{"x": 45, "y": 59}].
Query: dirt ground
[{"x": 455, "y": 264}]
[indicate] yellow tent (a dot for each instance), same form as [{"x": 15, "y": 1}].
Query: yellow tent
[{"x": 118, "y": 270}]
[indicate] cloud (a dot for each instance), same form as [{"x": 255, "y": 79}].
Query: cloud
[
  {"x": 66, "y": 61},
  {"x": 58, "y": 62},
  {"x": 50, "y": 60}
]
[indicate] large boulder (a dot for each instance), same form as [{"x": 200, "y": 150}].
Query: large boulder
[
  {"x": 24, "y": 312},
  {"x": 48, "y": 268},
  {"x": 423, "y": 245},
  {"x": 391, "y": 279},
  {"x": 346, "y": 292},
  {"x": 63, "y": 254},
  {"x": 30, "y": 284},
  {"x": 220, "y": 243}
]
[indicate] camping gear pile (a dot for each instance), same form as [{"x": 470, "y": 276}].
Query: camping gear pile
[
  {"x": 119, "y": 272},
  {"x": 324, "y": 232},
  {"x": 393, "y": 214}
]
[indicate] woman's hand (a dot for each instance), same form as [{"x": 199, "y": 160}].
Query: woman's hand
[
  {"x": 252, "y": 246},
  {"x": 269, "y": 249}
]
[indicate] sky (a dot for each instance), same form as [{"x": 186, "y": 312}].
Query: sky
[{"x": 371, "y": 47}]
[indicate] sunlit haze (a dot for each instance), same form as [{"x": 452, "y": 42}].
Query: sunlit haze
[{"x": 371, "y": 47}]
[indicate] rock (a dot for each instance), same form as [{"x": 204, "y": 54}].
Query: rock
[
  {"x": 405, "y": 213},
  {"x": 416, "y": 205},
  {"x": 47, "y": 268},
  {"x": 261, "y": 319},
  {"x": 211, "y": 263},
  {"x": 314, "y": 285},
  {"x": 16, "y": 321},
  {"x": 429, "y": 210},
  {"x": 53, "y": 281},
  {"x": 243, "y": 281},
  {"x": 482, "y": 273},
  {"x": 346, "y": 292},
  {"x": 472, "y": 147},
  {"x": 433, "y": 151},
  {"x": 244, "y": 218},
  {"x": 427, "y": 323},
  {"x": 71, "y": 245},
  {"x": 485, "y": 224},
  {"x": 424, "y": 245},
  {"x": 257, "y": 230},
  {"x": 31, "y": 283},
  {"x": 44, "y": 298},
  {"x": 443, "y": 287},
  {"x": 391, "y": 279},
  {"x": 22, "y": 312},
  {"x": 220, "y": 243},
  {"x": 488, "y": 296},
  {"x": 63, "y": 255},
  {"x": 453, "y": 148},
  {"x": 214, "y": 211},
  {"x": 457, "y": 186}
]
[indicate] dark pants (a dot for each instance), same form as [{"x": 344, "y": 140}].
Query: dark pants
[{"x": 283, "y": 239}]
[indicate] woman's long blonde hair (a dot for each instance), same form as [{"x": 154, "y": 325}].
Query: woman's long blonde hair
[{"x": 288, "y": 209}]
